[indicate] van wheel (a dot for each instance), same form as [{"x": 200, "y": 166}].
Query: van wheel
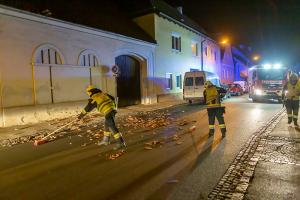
[{"x": 190, "y": 101}]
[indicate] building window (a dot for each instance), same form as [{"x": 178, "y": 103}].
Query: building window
[
  {"x": 88, "y": 58},
  {"x": 47, "y": 55},
  {"x": 179, "y": 81},
  {"x": 206, "y": 51},
  {"x": 194, "y": 48},
  {"x": 176, "y": 42},
  {"x": 169, "y": 81}
]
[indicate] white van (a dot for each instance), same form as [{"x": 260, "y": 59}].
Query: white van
[{"x": 193, "y": 85}]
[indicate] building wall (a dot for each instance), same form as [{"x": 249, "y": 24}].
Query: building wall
[
  {"x": 168, "y": 61},
  {"x": 227, "y": 70},
  {"x": 24, "y": 82}
]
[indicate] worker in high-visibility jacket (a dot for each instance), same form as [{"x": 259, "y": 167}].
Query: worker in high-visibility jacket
[
  {"x": 290, "y": 97},
  {"x": 105, "y": 104},
  {"x": 212, "y": 97}
]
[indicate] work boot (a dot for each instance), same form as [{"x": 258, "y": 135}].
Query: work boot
[
  {"x": 290, "y": 120},
  {"x": 223, "y": 131},
  {"x": 120, "y": 144},
  {"x": 295, "y": 123},
  {"x": 120, "y": 141},
  {"x": 105, "y": 141}
]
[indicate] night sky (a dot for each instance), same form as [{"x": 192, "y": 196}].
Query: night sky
[{"x": 270, "y": 27}]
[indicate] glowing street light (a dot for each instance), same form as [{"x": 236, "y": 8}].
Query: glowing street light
[
  {"x": 256, "y": 58},
  {"x": 224, "y": 42}
]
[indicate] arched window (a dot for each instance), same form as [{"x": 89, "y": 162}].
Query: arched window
[
  {"x": 88, "y": 58},
  {"x": 48, "y": 54}
]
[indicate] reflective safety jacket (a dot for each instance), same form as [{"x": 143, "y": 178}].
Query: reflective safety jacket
[
  {"x": 291, "y": 92},
  {"x": 103, "y": 102},
  {"x": 212, "y": 96}
]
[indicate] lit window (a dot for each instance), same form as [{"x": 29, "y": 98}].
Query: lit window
[
  {"x": 47, "y": 55},
  {"x": 194, "y": 48},
  {"x": 169, "y": 81},
  {"x": 176, "y": 42},
  {"x": 179, "y": 81},
  {"x": 88, "y": 58}
]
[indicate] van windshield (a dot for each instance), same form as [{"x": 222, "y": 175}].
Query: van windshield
[{"x": 189, "y": 81}]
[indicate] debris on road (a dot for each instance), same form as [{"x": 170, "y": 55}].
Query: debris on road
[
  {"x": 115, "y": 155},
  {"x": 173, "y": 181},
  {"x": 153, "y": 144},
  {"x": 148, "y": 148}
]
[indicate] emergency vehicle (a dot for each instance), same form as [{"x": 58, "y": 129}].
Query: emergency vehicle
[{"x": 266, "y": 82}]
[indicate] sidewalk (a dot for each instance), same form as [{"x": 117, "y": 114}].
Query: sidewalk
[
  {"x": 24, "y": 133},
  {"x": 277, "y": 173},
  {"x": 267, "y": 167}
]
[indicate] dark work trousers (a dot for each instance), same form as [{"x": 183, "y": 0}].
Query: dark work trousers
[
  {"x": 216, "y": 113},
  {"x": 292, "y": 108},
  {"x": 109, "y": 123}
]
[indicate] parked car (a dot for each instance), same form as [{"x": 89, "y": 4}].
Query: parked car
[
  {"x": 226, "y": 87},
  {"x": 235, "y": 89},
  {"x": 244, "y": 85},
  {"x": 193, "y": 86}
]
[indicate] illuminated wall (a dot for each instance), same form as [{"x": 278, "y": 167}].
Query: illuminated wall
[
  {"x": 227, "y": 69},
  {"x": 177, "y": 62}
]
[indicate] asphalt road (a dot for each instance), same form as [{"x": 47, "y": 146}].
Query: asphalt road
[{"x": 181, "y": 165}]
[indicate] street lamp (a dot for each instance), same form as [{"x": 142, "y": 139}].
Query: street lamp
[{"x": 256, "y": 58}]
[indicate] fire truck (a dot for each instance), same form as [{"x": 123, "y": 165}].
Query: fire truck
[{"x": 266, "y": 82}]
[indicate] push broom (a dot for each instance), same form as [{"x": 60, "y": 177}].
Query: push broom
[{"x": 44, "y": 139}]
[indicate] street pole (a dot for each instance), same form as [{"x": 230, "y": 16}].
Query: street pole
[{"x": 202, "y": 54}]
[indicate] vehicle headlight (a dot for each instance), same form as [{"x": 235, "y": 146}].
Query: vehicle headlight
[{"x": 258, "y": 92}]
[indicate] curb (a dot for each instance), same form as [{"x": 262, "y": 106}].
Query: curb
[{"x": 236, "y": 179}]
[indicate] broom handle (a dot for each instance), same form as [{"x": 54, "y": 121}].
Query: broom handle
[{"x": 59, "y": 129}]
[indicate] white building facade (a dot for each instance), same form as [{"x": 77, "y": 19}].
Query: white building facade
[
  {"x": 180, "y": 48},
  {"x": 47, "y": 63}
]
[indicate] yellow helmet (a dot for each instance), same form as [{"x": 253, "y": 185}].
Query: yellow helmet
[
  {"x": 89, "y": 88},
  {"x": 207, "y": 84}
]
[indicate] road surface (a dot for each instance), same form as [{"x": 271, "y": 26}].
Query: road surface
[{"x": 179, "y": 165}]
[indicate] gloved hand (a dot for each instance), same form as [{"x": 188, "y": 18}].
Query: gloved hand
[{"x": 80, "y": 116}]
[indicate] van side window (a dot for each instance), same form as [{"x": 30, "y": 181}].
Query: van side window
[
  {"x": 199, "y": 81},
  {"x": 189, "y": 81}
]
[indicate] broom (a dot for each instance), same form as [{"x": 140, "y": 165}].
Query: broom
[{"x": 43, "y": 140}]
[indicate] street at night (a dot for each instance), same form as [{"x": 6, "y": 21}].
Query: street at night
[
  {"x": 182, "y": 165},
  {"x": 149, "y": 100}
]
